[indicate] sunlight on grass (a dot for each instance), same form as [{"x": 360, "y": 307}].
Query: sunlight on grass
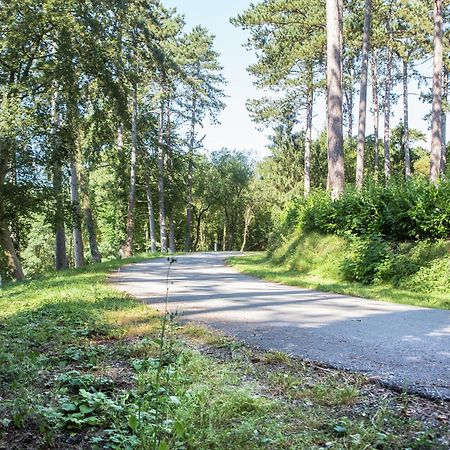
[{"x": 262, "y": 266}]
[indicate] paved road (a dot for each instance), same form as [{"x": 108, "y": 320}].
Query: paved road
[{"x": 406, "y": 346}]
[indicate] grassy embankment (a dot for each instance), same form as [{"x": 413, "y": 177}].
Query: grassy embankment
[
  {"x": 416, "y": 274},
  {"x": 84, "y": 366}
]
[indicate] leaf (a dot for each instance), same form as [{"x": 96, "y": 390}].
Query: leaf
[
  {"x": 179, "y": 429},
  {"x": 340, "y": 429},
  {"x": 163, "y": 446},
  {"x": 85, "y": 409},
  {"x": 92, "y": 420},
  {"x": 5, "y": 422},
  {"x": 175, "y": 400},
  {"x": 133, "y": 422},
  {"x": 68, "y": 406}
]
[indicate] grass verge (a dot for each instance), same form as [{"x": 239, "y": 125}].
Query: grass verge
[
  {"x": 322, "y": 275},
  {"x": 83, "y": 366}
]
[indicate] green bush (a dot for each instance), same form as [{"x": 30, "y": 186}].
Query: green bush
[
  {"x": 364, "y": 259},
  {"x": 432, "y": 278},
  {"x": 400, "y": 212}
]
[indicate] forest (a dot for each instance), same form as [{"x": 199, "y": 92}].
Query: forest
[{"x": 104, "y": 110}]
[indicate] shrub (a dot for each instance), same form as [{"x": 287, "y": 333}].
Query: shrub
[
  {"x": 400, "y": 212},
  {"x": 364, "y": 259}
]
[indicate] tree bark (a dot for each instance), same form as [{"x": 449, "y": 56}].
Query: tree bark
[
  {"x": 336, "y": 171},
  {"x": 436, "y": 122},
  {"x": 76, "y": 216},
  {"x": 160, "y": 163},
  {"x": 89, "y": 216},
  {"x": 60, "y": 241},
  {"x": 247, "y": 221},
  {"x": 363, "y": 96},
  {"x": 444, "y": 122},
  {"x": 151, "y": 216},
  {"x": 376, "y": 114},
  {"x": 13, "y": 263},
  {"x": 127, "y": 248},
  {"x": 308, "y": 132},
  {"x": 188, "y": 239},
  {"x": 406, "y": 150},
  {"x": 387, "y": 117}
]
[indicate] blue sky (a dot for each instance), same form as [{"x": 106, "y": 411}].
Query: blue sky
[{"x": 236, "y": 130}]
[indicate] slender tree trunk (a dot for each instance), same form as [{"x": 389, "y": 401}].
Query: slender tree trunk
[
  {"x": 436, "y": 122},
  {"x": 308, "y": 132},
  {"x": 60, "y": 241},
  {"x": 160, "y": 163},
  {"x": 363, "y": 96},
  {"x": 406, "y": 120},
  {"x": 224, "y": 243},
  {"x": 170, "y": 169},
  {"x": 387, "y": 117},
  {"x": 13, "y": 263},
  {"x": 127, "y": 248},
  {"x": 172, "y": 245},
  {"x": 76, "y": 216},
  {"x": 247, "y": 221},
  {"x": 151, "y": 216},
  {"x": 348, "y": 109},
  {"x": 88, "y": 215},
  {"x": 376, "y": 114},
  {"x": 334, "y": 99},
  {"x": 444, "y": 123},
  {"x": 188, "y": 240},
  {"x": 197, "y": 231}
]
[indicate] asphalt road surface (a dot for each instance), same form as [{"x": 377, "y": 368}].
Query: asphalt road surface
[{"x": 406, "y": 346}]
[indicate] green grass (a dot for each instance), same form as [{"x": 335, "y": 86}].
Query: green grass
[
  {"x": 83, "y": 366},
  {"x": 314, "y": 261}
]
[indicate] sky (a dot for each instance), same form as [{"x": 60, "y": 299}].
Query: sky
[{"x": 236, "y": 130}]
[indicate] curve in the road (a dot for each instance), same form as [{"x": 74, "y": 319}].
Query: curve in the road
[{"x": 406, "y": 346}]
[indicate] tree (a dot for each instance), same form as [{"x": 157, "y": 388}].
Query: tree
[
  {"x": 336, "y": 175},
  {"x": 363, "y": 95},
  {"x": 436, "y": 123},
  {"x": 203, "y": 93}
]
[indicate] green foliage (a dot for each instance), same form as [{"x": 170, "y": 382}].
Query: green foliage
[
  {"x": 401, "y": 211},
  {"x": 364, "y": 258},
  {"x": 39, "y": 253}
]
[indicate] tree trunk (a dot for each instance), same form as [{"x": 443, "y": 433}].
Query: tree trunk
[
  {"x": 160, "y": 162},
  {"x": 376, "y": 114},
  {"x": 334, "y": 99},
  {"x": 151, "y": 216},
  {"x": 60, "y": 241},
  {"x": 76, "y": 216},
  {"x": 444, "y": 122},
  {"x": 127, "y": 248},
  {"x": 406, "y": 120},
  {"x": 363, "y": 96},
  {"x": 436, "y": 122},
  {"x": 188, "y": 240},
  {"x": 387, "y": 117},
  {"x": 172, "y": 246},
  {"x": 247, "y": 221},
  {"x": 13, "y": 263},
  {"x": 308, "y": 132},
  {"x": 197, "y": 231},
  {"x": 88, "y": 216}
]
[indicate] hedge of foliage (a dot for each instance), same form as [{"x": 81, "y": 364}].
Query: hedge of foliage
[
  {"x": 401, "y": 212},
  {"x": 397, "y": 234}
]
